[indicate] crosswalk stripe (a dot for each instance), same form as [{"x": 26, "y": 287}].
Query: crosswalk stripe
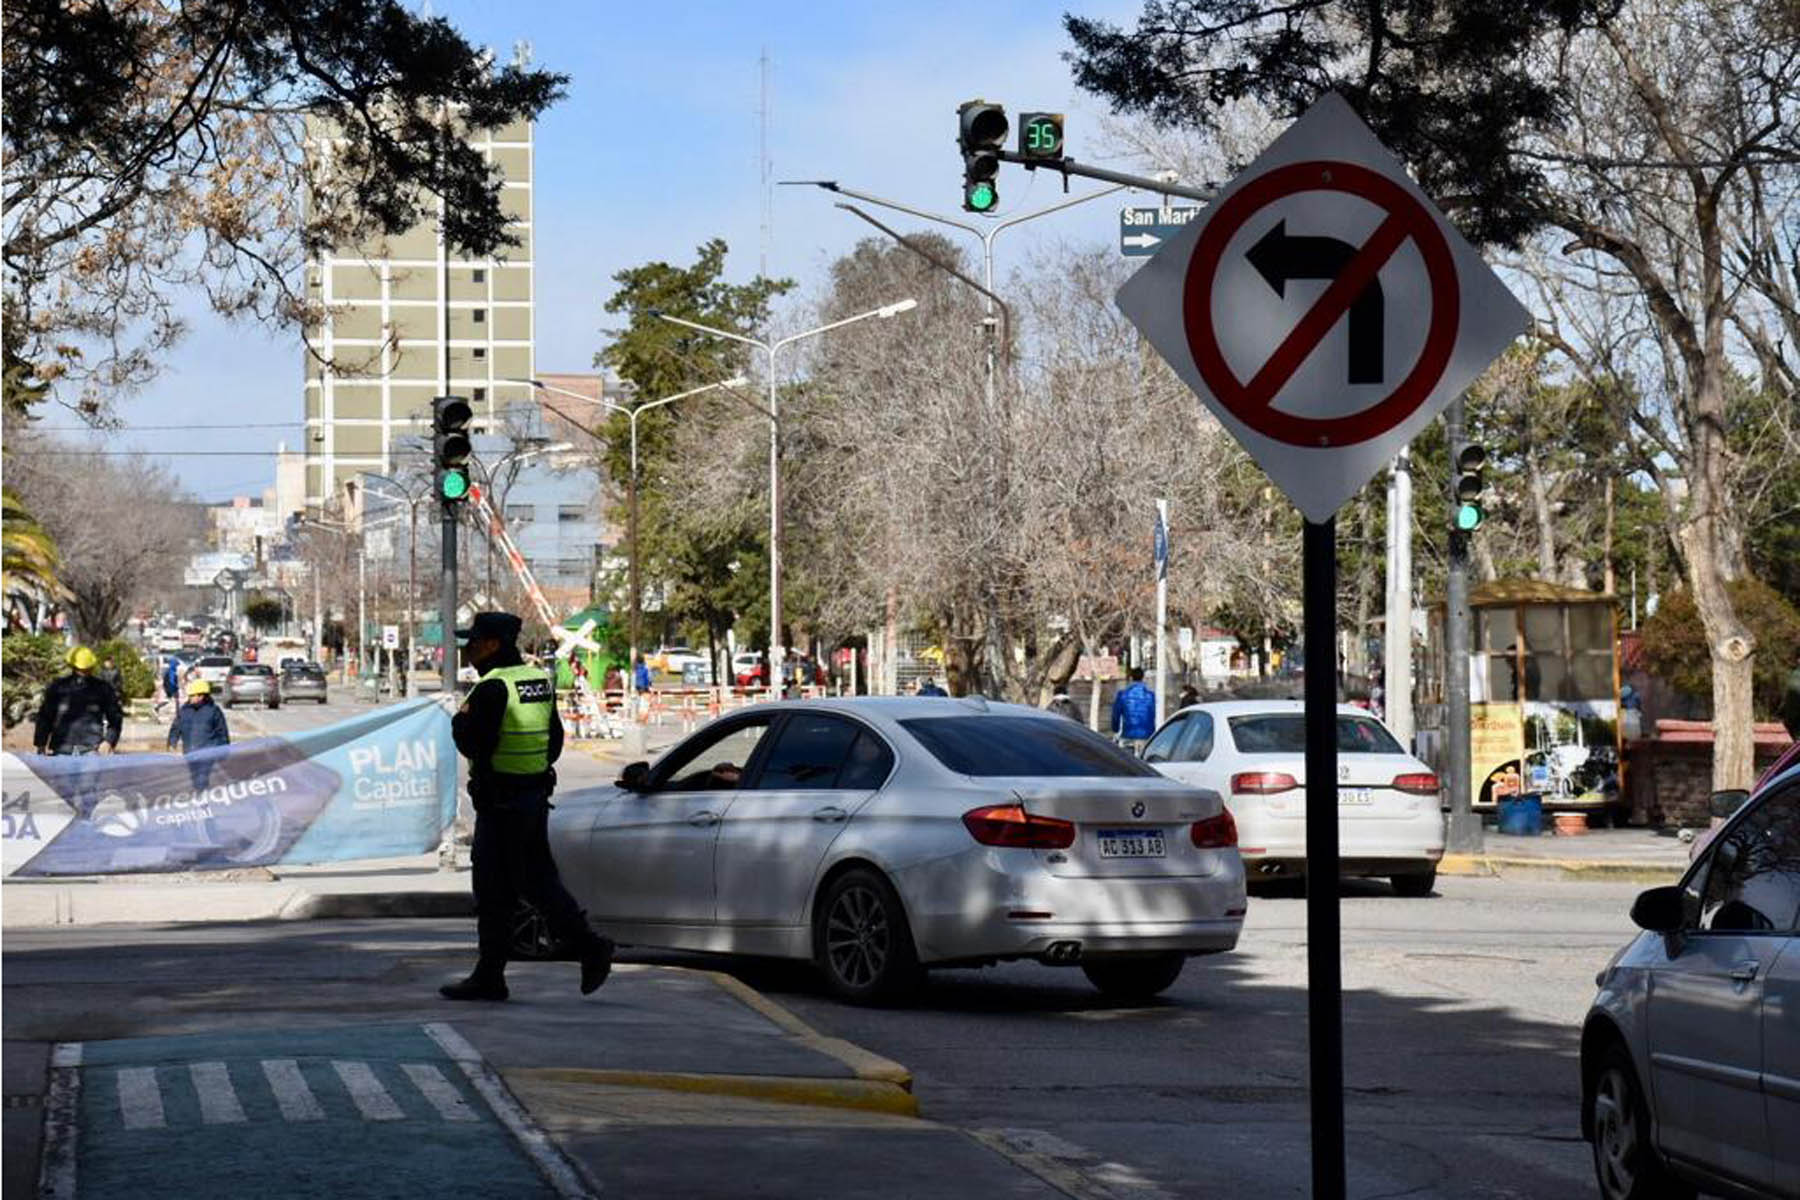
[
  {"x": 218, "y": 1102},
  {"x": 446, "y": 1099},
  {"x": 295, "y": 1099},
  {"x": 139, "y": 1098},
  {"x": 366, "y": 1091}
]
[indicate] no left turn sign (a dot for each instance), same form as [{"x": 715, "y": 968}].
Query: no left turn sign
[{"x": 1323, "y": 309}]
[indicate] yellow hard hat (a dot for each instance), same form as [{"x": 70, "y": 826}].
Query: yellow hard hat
[
  {"x": 199, "y": 687},
  {"x": 82, "y": 659}
]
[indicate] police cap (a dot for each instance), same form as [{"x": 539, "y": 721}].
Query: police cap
[{"x": 500, "y": 625}]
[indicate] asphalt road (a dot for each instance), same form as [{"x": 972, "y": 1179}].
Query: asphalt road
[
  {"x": 1461, "y": 1011},
  {"x": 1462, "y": 1015},
  {"x": 1461, "y": 1018}
]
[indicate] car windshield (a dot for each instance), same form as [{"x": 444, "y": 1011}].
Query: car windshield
[
  {"x": 216, "y": 661},
  {"x": 1002, "y": 745},
  {"x": 252, "y": 669},
  {"x": 1285, "y": 733}
]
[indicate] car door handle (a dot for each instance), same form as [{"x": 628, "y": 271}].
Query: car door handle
[
  {"x": 1744, "y": 972},
  {"x": 703, "y": 818},
  {"x": 830, "y": 812}
]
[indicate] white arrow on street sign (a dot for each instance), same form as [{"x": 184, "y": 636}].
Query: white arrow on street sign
[
  {"x": 1323, "y": 309},
  {"x": 1140, "y": 239}
]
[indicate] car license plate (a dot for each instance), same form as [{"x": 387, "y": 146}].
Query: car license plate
[
  {"x": 1349, "y": 795},
  {"x": 1131, "y": 843}
]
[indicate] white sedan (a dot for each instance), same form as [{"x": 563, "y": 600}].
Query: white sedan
[
  {"x": 1390, "y": 819},
  {"x": 877, "y": 837}
]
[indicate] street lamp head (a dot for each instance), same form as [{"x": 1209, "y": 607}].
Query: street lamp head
[
  {"x": 558, "y": 448},
  {"x": 894, "y": 310},
  {"x": 736, "y": 381}
]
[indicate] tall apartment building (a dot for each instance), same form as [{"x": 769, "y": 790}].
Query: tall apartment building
[{"x": 382, "y": 342}]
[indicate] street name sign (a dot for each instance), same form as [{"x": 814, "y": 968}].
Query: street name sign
[
  {"x": 1144, "y": 231},
  {"x": 1322, "y": 308},
  {"x": 390, "y": 637}
]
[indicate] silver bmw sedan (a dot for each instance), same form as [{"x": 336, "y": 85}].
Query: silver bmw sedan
[{"x": 878, "y": 837}]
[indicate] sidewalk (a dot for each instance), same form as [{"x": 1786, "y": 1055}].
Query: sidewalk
[{"x": 1624, "y": 855}]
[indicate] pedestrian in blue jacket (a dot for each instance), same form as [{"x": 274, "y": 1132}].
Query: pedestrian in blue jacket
[
  {"x": 199, "y": 724},
  {"x": 1134, "y": 713}
]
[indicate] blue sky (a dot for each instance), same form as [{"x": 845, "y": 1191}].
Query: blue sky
[{"x": 654, "y": 150}]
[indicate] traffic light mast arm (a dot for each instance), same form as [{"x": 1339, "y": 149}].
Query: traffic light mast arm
[
  {"x": 941, "y": 264},
  {"x": 1068, "y": 167}
]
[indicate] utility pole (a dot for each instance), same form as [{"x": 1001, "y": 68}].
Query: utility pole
[
  {"x": 1464, "y": 835},
  {"x": 1161, "y": 552},
  {"x": 1397, "y": 644}
]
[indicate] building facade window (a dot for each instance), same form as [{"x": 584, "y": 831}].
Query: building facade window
[
  {"x": 520, "y": 514},
  {"x": 571, "y": 512}
]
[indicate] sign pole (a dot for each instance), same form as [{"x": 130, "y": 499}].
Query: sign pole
[
  {"x": 1324, "y": 967},
  {"x": 1464, "y": 833},
  {"x": 1162, "y": 608}
]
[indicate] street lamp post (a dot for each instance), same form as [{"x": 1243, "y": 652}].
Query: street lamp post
[
  {"x": 631, "y": 414},
  {"x": 497, "y": 497},
  {"x": 362, "y": 575},
  {"x": 988, "y": 298},
  {"x": 412, "y": 503},
  {"x": 777, "y": 652}
]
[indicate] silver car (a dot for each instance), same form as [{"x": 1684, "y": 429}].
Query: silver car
[
  {"x": 1690, "y": 1057},
  {"x": 877, "y": 837},
  {"x": 252, "y": 683}
]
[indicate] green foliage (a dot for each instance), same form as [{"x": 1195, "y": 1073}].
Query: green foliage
[
  {"x": 691, "y": 554},
  {"x": 21, "y": 389},
  {"x": 28, "y": 554},
  {"x": 1675, "y": 647},
  {"x": 31, "y": 660},
  {"x": 264, "y": 613},
  {"x": 1448, "y": 85},
  {"x": 137, "y": 676}
]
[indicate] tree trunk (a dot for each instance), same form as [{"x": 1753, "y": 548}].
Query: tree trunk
[
  {"x": 1093, "y": 656},
  {"x": 1608, "y": 583},
  {"x": 1059, "y": 666},
  {"x": 1539, "y": 488}
]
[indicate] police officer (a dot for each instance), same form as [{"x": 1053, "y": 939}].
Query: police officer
[
  {"x": 80, "y": 713},
  {"x": 509, "y": 731}
]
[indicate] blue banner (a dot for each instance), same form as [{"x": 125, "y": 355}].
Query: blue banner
[{"x": 378, "y": 785}]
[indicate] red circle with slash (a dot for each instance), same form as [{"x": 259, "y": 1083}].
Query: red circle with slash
[{"x": 1406, "y": 219}]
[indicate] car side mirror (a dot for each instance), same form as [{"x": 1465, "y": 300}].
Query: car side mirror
[
  {"x": 1723, "y": 804},
  {"x": 1660, "y": 910},
  {"x": 636, "y": 777}
]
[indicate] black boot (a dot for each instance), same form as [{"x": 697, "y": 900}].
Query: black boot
[
  {"x": 596, "y": 962},
  {"x": 480, "y": 985}
]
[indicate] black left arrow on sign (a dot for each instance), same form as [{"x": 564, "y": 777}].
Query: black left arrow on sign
[{"x": 1279, "y": 258}]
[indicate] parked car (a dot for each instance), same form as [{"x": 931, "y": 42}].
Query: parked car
[
  {"x": 214, "y": 668},
  {"x": 697, "y": 674},
  {"x": 1690, "y": 1055},
  {"x": 747, "y": 669},
  {"x": 302, "y": 680},
  {"x": 1253, "y": 752},
  {"x": 252, "y": 683},
  {"x": 880, "y": 836},
  {"x": 675, "y": 659}
]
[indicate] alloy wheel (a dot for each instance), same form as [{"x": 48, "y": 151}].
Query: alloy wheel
[
  {"x": 1616, "y": 1134},
  {"x": 858, "y": 937}
]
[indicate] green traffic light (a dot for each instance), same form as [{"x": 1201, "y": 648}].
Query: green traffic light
[
  {"x": 1468, "y": 516},
  {"x": 982, "y": 197},
  {"x": 453, "y": 484}
]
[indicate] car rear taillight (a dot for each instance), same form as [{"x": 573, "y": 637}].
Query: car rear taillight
[
  {"x": 1011, "y": 825},
  {"x": 1263, "y": 783},
  {"x": 1419, "y": 783},
  {"x": 1214, "y": 833}
]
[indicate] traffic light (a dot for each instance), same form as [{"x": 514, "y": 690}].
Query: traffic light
[
  {"x": 450, "y": 446},
  {"x": 1041, "y": 135},
  {"x": 1470, "y": 458},
  {"x": 982, "y": 136}
]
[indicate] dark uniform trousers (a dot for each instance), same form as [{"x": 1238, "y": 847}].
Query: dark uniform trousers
[{"x": 511, "y": 858}]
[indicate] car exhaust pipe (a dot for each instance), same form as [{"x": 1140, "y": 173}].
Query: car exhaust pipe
[
  {"x": 1062, "y": 954},
  {"x": 1268, "y": 868}
]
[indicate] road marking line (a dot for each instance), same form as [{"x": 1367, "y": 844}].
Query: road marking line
[
  {"x": 1069, "y": 1168},
  {"x": 295, "y": 1099},
  {"x": 62, "y": 1123},
  {"x": 371, "y": 1098},
  {"x": 564, "y": 1176},
  {"x": 140, "y": 1100},
  {"x": 218, "y": 1102},
  {"x": 434, "y": 1087}
]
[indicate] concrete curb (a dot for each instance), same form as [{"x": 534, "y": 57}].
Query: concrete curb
[
  {"x": 1568, "y": 869},
  {"x": 866, "y": 1065},
  {"x": 859, "y": 1094},
  {"x": 344, "y": 906}
]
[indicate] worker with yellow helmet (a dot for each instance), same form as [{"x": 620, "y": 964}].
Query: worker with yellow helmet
[
  {"x": 198, "y": 725},
  {"x": 80, "y": 713}
]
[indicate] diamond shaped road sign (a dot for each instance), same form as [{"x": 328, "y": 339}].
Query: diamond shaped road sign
[{"x": 1323, "y": 308}]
